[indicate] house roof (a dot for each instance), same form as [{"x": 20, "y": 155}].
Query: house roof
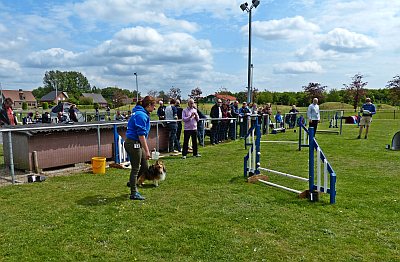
[
  {"x": 225, "y": 97},
  {"x": 52, "y": 96},
  {"x": 97, "y": 98},
  {"x": 14, "y": 95}
]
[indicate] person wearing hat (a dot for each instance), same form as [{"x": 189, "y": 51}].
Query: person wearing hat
[{"x": 367, "y": 110}]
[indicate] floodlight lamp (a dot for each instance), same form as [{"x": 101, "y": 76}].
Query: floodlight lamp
[
  {"x": 256, "y": 3},
  {"x": 244, "y": 6}
]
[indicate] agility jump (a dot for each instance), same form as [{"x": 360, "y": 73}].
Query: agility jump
[{"x": 252, "y": 167}]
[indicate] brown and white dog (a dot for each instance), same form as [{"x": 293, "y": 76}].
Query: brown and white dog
[{"x": 155, "y": 173}]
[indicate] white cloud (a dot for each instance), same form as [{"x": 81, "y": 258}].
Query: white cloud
[
  {"x": 286, "y": 28},
  {"x": 342, "y": 40},
  {"x": 51, "y": 57},
  {"x": 297, "y": 68},
  {"x": 2, "y": 28},
  {"x": 8, "y": 68}
]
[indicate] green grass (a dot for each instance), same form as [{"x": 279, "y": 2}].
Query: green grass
[{"x": 205, "y": 211}]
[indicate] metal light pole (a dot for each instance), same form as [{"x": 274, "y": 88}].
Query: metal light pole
[
  {"x": 245, "y": 7},
  {"x": 137, "y": 89}
]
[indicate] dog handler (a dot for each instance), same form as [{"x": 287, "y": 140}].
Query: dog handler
[
  {"x": 368, "y": 109},
  {"x": 136, "y": 142}
]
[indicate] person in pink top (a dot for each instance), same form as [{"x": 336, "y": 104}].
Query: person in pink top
[{"x": 190, "y": 117}]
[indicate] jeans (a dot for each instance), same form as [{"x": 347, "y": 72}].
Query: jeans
[
  {"x": 200, "y": 132},
  {"x": 173, "y": 140}
]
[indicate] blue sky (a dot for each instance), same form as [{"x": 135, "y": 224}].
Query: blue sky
[{"x": 189, "y": 44}]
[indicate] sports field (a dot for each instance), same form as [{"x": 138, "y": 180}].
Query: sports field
[{"x": 205, "y": 211}]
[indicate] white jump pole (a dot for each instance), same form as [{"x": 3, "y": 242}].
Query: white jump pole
[
  {"x": 318, "y": 169},
  {"x": 283, "y": 174},
  {"x": 279, "y": 186}
]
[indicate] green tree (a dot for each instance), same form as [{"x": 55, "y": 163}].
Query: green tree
[
  {"x": 334, "y": 95},
  {"x": 196, "y": 94},
  {"x": 45, "y": 105},
  {"x": 72, "y": 82},
  {"x": 394, "y": 87},
  {"x": 175, "y": 93},
  {"x": 355, "y": 90},
  {"x": 39, "y": 92},
  {"x": 24, "y": 106}
]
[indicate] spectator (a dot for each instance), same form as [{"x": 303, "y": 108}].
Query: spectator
[
  {"x": 108, "y": 112},
  {"x": 7, "y": 116},
  {"x": 61, "y": 118},
  {"x": 279, "y": 119},
  {"x": 136, "y": 143},
  {"x": 244, "y": 113},
  {"x": 216, "y": 113},
  {"x": 171, "y": 114},
  {"x": 223, "y": 134},
  {"x": 161, "y": 111},
  {"x": 118, "y": 116},
  {"x": 293, "y": 116},
  {"x": 233, "y": 123},
  {"x": 29, "y": 119},
  {"x": 72, "y": 113},
  {"x": 46, "y": 118},
  {"x": 367, "y": 110},
  {"x": 128, "y": 116},
  {"x": 313, "y": 115},
  {"x": 190, "y": 117},
  {"x": 200, "y": 127},
  {"x": 179, "y": 111},
  {"x": 38, "y": 117}
]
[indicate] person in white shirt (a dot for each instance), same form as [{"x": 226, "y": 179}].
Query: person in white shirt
[{"x": 313, "y": 115}]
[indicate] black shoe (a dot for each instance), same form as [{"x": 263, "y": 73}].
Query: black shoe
[
  {"x": 359, "y": 137},
  {"x": 365, "y": 137},
  {"x": 128, "y": 184}
]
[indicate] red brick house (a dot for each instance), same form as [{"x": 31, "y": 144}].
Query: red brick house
[{"x": 19, "y": 97}]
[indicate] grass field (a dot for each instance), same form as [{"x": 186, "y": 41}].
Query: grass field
[{"x": 205, "y": 211}]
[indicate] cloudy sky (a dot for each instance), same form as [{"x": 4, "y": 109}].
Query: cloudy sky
[{"x": 192, "y": 43}]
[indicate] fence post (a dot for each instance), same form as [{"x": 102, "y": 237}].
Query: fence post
[
  {"x": 11, "y": 158},
  {"x": 311, "y": 159}
]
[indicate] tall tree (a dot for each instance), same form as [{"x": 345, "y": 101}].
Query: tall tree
[
  {"x": 153, "y": 93},
  {"x": 356, "y": 90},
  {"x": 175, "y": 93},
  {"x": 394, "y": 87},
  {"x": 314, "y": 90},
  {"x": 74, "y": 83},
  {"x": 196, "y": 94}
]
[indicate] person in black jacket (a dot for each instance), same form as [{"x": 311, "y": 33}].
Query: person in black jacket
[
  {"x": 216, "y": 112},
  {"x": 7, "y": 116}
]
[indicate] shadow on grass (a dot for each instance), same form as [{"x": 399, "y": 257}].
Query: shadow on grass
[{"x": 100, "y": 200}]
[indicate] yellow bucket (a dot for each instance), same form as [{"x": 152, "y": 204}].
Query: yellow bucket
[{"x": 99, "y": 165}]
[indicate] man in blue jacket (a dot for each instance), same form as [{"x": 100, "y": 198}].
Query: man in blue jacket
[{"x": 367, "y": 110}]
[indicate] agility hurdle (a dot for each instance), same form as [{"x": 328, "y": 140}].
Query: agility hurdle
[{"x": 252, "y": 167}]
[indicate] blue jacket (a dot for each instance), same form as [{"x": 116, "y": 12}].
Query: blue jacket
[
  {"x": 138, "y": 124},
  {"x": 370, "y": 107}
]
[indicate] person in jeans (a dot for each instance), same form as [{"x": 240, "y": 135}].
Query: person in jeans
[
  {"x": 136, "y": 142},
  {"x": 200, "y": 127},
  {"x": 190, "y": 117},
  {"x": 171, "y": 113}
]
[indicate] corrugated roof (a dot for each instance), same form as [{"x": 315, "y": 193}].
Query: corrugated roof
[
  {"x": 97, "y": 98},
  {"x": 52, "y": 96}
]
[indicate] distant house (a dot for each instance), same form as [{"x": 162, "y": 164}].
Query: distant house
[
  {"x": 19, "y": 97},
  {"x": 52, "y": 98},
  {"x": 213, "y": 98},
  {"x": 97, "y": 98}
]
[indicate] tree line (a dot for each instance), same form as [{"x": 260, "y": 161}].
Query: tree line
[{"x": 354, "y": 93}]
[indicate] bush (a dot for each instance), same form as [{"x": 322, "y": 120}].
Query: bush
[
  {"x": 86, "y": 101},
  {"x": 24, "y": 106},
  {"x": 45, "y": 105}
]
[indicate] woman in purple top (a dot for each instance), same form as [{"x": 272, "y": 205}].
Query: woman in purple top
[{"x": 190, "y": 118}]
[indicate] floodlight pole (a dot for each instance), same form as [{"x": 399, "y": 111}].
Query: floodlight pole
[
  {"x": 245, "y": 7},
  {"x": 137, "y": 89}
]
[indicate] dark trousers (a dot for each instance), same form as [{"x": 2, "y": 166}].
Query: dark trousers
[
  {"x": 232, "y": 130},
  {"x": 214, "y": 132},
  {"x": 200, "y": 132},
  {"x": 314, "y": 123},
  {"x": 138, "y": 161},
  {"x": 187, "y": 134},
  {"x": 179, "y": 131},
  {"x": 173, "y": 139},
  {"x": 243, "y": 127}
]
